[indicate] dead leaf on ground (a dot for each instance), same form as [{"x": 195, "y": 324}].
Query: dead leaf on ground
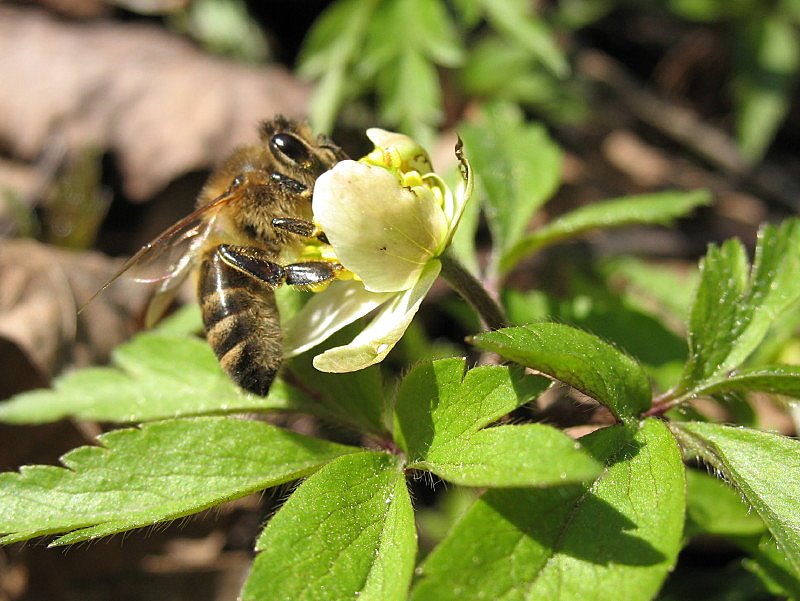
[
  {"x": 157, "y": 102},
  {"x": 41, "y": 332}
]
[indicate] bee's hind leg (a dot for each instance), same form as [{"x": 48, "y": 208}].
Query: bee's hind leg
[
  {"x": 258, "y": 264},
  {"x": 253, "y": 262}
]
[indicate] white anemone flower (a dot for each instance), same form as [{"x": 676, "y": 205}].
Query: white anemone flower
[{"x": 388, "y": 218}]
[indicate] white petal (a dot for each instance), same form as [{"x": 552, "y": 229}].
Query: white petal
[
  {"x": 381, "y": 231},
  {"x": 379, "y": 337},
  {"x": 328, "y": 312}
]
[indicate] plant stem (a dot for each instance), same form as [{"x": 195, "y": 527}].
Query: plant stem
[{"x": 471, "y": 290}]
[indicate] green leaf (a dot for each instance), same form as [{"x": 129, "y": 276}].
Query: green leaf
[
  {"x": 155, "y": 377},
  {"x": 669, "y": 287},
  {"x": 437, "y": 34},
  {"x": 411, "y": 96},
  {"x": 519, "y": 167},
  {"x": 768, "y": 58},
  {"x": 440, "y": 400},
  {"x": 771, "y": 566},
  {"x": 502, "y": 456},
  {"x": 404, "y": 74},
  {"x": 714, "y": 507},
  {"x": 577, "y": 358},
  {"x": 514, "y": 20},
  {"x": 332, "y": 45},
  {"x": 161, "y": 471},
  {"x": 732, "y": 312},
  {"x": 439, "y": 414},
  {"x": 591, "y": 306},
  {"x": 714, "y": 10},
  {"x": 347, "y": 532},
  {"x": 776, "y": 379},
  {"x": 765, "y": 469},
  {"x": 494, "y": 66},
  {"x": 659, "y": 207},
  {"x": 225, "y": 27},
  {"x": 620, "y": 534},
  {"x": 186, "y": 321},
  {"x": 499, "y": 69}
]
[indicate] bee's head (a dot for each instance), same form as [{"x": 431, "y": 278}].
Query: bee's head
[{"x": 293, "y": 146}]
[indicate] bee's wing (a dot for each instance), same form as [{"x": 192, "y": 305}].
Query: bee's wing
[{"x": 169, "y": 257}]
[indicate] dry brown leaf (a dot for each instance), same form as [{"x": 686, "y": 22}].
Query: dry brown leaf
[
  {"x": 41, "y": 289},
  {"x": 161, "y": 105}
]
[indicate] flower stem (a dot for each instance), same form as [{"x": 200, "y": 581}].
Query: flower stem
[{"x": 471, "y": 290}]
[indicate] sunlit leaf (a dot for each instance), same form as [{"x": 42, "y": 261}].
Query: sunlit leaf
[
  {"x": 577, "y": 358},
  {"x": 161, "y": 471},
  {"x": 659, "y": 208},
  {"x": 154, "y": 376},
  {"x": 620, "y": 534},
  {"x": 440, "y": 414},
  {"x": 764, "y": 468},
  {"x": 735, "y": 305},
  {"x": 519, "y": 167},
  {"x": 347, "y": 532}
]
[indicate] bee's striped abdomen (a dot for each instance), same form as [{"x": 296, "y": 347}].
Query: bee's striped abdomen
[{"x": 242, "y": 323}]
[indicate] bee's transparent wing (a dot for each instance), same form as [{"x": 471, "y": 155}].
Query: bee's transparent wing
[{"x": 168, "y": 259}]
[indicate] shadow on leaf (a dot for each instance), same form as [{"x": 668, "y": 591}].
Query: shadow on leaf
[{"x": 572, "y": 521}]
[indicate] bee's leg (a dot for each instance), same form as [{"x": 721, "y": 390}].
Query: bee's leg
[
  {"x": 259, "y": 264},
  {"x": 311, "y": 273},
  {"x": 252, "y": 261},
  {"x": 301, "y": 227}
]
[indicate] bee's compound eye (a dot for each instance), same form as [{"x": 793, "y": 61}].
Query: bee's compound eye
[{"x": 290, "y": 147}]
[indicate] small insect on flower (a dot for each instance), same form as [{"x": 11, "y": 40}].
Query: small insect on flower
[
  {"x": 388, "y": 219},
  {"x": 251, "y": 233}
]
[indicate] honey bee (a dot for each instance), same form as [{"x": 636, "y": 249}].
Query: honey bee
[{"x": 252, "y": 220}]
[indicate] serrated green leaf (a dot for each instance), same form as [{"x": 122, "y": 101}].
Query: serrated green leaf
[
  {"x": 714, "y": 507},
  {"x": 514, "y": 19},
  {"x": 776, "y": 379},
  {"x": 347, "y": 532},
  {"x": 732, "y": 312},
  {"x": 519, "y": 167},
  {"x": 577, "y": 358},
  {"x": 499, "y": 69},
  {"x": 411, "y": 95},
  {"x": 439, "y": 414},
  {"x": 438, "y": 38},
  {"x": 155, "y": 377},
  {"x": 161, "y": 471},
  {"x": 332, "y": 46},
  {"x": 768, "y": 53},
  {"x": 764, "y": 467},
  {"x": 659, "y": 208},
  {"x": 621, "y": 534}
]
